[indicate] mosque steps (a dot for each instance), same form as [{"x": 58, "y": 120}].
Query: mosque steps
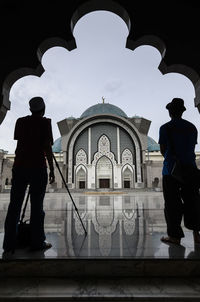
[
  {"x": 100, "y": 289},
  {"x": 101, "y": 268},
  {"x": 145, "y": 280}
]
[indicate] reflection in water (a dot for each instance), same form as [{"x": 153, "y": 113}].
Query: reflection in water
[
  {"x": 176, "y": 251},
  {"x": 113, "y": 225},
  {"x": 126, "y": 226},
  {"x": 196, "y": 253}
]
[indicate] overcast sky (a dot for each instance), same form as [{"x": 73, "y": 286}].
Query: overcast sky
[{"x": 100, "y": 66}]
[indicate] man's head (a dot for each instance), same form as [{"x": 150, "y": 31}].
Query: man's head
[
  {"x": 176, "y": 107},
  {"x": 37, "y": 105}
]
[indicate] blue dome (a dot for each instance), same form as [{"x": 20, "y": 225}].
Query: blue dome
[
  {"x": 103, "y": 108},
  {"x": 152, "y": 145},
  {"x": 56, "y": 148}
]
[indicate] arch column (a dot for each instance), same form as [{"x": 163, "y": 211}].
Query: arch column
[
  {"x": 89, "y": 145},
  {"x": 118, "y": 146}
]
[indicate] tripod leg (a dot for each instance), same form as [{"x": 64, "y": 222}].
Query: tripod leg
[
  {"x": 69, "y": 193},
  {"x": 26, "y": 202}
]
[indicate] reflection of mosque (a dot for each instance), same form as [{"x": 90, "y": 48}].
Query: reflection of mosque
[{"x": 115, "y": 226}]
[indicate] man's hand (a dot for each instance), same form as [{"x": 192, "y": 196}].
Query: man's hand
[{"x": 51, "y": 177}]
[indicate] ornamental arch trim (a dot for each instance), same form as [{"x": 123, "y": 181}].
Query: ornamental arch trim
[
  {"x": 104, "y": 151},
  {"x": 77, "y": 170},
  {"x": 81, "y": 166},
  {"x": 68, "y": 144},
  {"x": 102, "y": 118},
  {"x": 78, "y": 10},
  {"x": 132, "y": 176},
  {"x": 127, "y": 166},
  {"x": 127, "y": 157}
]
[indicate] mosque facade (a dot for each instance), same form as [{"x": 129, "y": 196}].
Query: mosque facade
[{"x": 104, "y": 149}]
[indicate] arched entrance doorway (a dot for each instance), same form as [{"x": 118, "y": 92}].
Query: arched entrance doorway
[
  {"x": 81, "y": 177},
  {"x": 127, "y": 177},
  {"x": 104, "y": 172}
]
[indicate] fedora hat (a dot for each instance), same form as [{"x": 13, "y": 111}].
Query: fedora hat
[{"x": 176, "y": 105}]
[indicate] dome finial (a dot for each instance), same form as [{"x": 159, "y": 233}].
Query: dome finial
[{"x": 103, "y": 99}]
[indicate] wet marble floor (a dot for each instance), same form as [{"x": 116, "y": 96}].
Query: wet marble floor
[{"x": 123, "y": 225}]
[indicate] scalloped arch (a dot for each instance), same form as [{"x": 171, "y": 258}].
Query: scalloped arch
[{"x": 70, "y": 44}]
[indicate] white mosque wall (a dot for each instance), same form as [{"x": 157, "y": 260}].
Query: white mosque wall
[{"x": 152, "y": 169}]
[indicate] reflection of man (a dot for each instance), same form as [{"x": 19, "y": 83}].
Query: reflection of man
[
  {"x": 177, "y": 141},
  {"x": 34, "y": 139}
]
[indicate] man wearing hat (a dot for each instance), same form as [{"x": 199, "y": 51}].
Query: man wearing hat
[
  {"x": 34, "y": 140},
  {"x": 177, "y": 140}
]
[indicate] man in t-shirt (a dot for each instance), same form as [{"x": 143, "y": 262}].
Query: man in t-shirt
[
  {"x": 34, "y": 140},
  {"x": 177, "y": 141}
]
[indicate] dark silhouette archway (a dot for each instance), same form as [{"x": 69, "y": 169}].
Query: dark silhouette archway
[{"x": 32, "y": 27}]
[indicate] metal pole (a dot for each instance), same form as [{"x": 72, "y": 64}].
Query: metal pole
[
  {"x": 69, "y": 192},
  {"x": 24, "y": 209}
]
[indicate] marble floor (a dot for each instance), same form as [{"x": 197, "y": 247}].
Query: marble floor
[{"x": 123, "y": 225}]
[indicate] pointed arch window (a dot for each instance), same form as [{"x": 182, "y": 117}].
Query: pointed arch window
[
  {"x": 104, "y": 144},
  {"x": 127, "y": 157},
  {"x": 81, "y": 157}
]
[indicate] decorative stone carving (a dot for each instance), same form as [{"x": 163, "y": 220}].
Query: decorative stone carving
[
  {"x": 105, "y": 236},
  {"x": 104, "y": 150},
  {"x": 127, "y": 157},
  {"x": 104, "y": 145},
  {"x": 105, "y": 242},
  {"x": 81, "y": 157},
  {"x": 129, "y": 218},
  {"x": 78, "y": 226}
]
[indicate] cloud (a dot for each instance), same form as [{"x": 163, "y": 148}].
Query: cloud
[{"x": 114, "y": 87}]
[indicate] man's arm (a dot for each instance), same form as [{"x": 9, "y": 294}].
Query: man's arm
[
  {"x": 163, "y": 140},
  {"x": 48, "y": 150},
  {"x": 19, "y": 129},
  {"x": 162, "y": 149},
  {"x": 49, "y": 156}
]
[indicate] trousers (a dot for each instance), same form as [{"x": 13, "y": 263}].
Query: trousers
[
  {"x": 36, "y": 178},
  {"x": 181, "y": 202}
]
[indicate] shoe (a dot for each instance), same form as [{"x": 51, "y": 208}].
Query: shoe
[
  {"x": 45, "y": 246},
  {"x": 170, "y": 239}
]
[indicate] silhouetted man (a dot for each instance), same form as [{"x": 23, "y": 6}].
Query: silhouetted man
[
  {"x": 177, "y": 142},
  {"x": 34, "y": 140}
]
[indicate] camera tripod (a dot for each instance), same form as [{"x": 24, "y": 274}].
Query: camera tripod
[{"x": 69, "y": 193}]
